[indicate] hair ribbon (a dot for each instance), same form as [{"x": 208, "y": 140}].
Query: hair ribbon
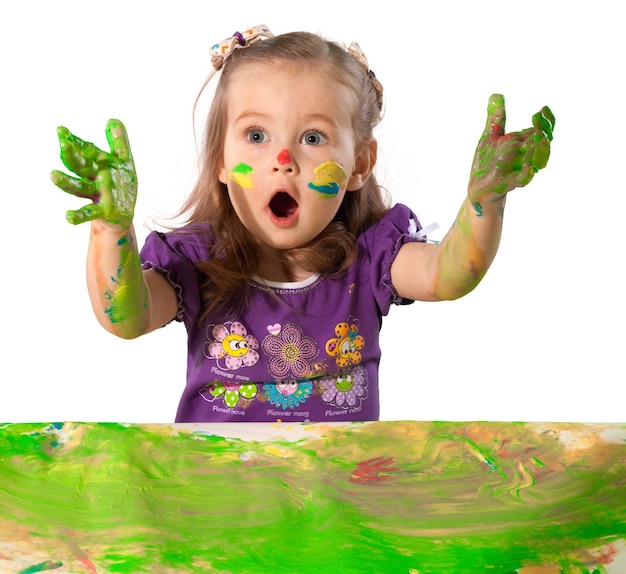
[
  {"x": 355, "y": 51},
  {"x": 223, "y": 49}
]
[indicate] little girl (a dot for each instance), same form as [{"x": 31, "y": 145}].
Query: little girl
[{"x": 290, "y": 255}]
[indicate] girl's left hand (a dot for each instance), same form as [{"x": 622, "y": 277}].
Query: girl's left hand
[{"x": 505, "y": 161}]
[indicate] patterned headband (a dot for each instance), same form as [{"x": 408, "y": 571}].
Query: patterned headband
[{"x": 222, "y": 50}]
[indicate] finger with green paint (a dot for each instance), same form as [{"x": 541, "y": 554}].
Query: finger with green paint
[
  {"x": 505, "y": 161},
  {"x": 107, "y": 178}
]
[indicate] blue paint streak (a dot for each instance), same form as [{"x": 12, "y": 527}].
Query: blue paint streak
[
  {"x": 326, "y": 190},
  {"x": 47, "y": 565}
]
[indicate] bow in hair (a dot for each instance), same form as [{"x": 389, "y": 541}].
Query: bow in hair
[{"x": 223, "y": 49}]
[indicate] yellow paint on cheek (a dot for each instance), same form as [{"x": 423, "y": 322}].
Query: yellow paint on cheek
[
  {"x": 241, "y": 174},
  {"x": 329, "y": 179}
]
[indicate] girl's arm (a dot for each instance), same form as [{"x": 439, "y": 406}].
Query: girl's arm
[
  {"x": 127, "y": 301},
  {"x": 502, "y": 162}
]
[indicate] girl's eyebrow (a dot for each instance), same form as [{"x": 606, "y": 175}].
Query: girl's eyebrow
[
  {"x": 322, "y": 118},
  {"x": 251, "y": 114}
]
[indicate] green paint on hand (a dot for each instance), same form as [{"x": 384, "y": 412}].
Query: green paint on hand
[
  {"x": 505, "y": 161},
  {"x": 107, "y": 178}
]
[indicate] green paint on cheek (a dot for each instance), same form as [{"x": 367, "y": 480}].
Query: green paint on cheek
[
  {"x": 241, "y": 174},
  {"x": 329, "y": 179}
]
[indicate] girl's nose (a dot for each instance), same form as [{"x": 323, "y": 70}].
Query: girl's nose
[
  {"x": 284, "y": 162},
  {"x": 284, "y": 157}
]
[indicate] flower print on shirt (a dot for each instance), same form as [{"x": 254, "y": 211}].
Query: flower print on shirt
[
  {"x": 231, "y": 393},
  {"x": 346, "y": 346},
  {"x": 291, "y": 352},
  {"x": 345, "y": 389},
  {"x": 288, "y": 394},
  {"x": 231, "y": 344}
]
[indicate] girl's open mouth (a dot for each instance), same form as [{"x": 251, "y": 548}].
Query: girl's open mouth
[{"x": 283, "y": 205}]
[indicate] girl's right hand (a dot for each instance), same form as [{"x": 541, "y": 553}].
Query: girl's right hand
[{"x": 108, "y": 179}]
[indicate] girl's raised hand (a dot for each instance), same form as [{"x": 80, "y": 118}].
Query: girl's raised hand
[
  {"x": 108, "y": 179},
  {"x": 505, "y": 161}
]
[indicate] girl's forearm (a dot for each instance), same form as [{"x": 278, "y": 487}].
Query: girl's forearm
[
  {"x": 501, "y": 163},
  {"x": 468, "y": 249},
  {"x": 118, "y": 292}
]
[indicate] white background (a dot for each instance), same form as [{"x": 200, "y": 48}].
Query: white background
[{"x": 542, "y": 338}]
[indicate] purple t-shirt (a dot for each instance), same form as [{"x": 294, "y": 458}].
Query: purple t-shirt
[{"x": 310, "y": 354}]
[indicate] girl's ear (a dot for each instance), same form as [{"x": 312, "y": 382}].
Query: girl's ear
[
  {"x": 221, "y": 172},
  {"x": 363, "y": 165}
]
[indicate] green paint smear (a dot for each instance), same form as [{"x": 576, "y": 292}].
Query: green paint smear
[
  {"x": 47, "y": 565},
  {"x": 127, "y": 298},
  {"x": 431, "y": 498},
  {"x": 242, "y": 169}
]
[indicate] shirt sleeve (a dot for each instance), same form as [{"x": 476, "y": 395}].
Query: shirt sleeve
[
  {"x": 173, "y": 255},
  {"x": 382, "y": 241}
]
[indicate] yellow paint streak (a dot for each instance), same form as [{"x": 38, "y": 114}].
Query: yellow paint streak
[
  {"x": 241, "y": 174},
  {"x": 329, "y": 178}
]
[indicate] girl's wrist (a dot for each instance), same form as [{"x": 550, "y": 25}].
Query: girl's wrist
[
  {"x": 101, "y": 225},
  {"x": 487, "y": 203}
]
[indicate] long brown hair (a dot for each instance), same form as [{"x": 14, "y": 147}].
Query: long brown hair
[{"x": 234, "y": 253}]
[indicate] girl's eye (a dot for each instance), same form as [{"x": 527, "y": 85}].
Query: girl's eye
[
  {"x": 256, "y": 135},
  {"x": 313, "y": 138}
]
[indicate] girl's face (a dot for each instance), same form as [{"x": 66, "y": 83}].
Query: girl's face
[{"x": 290, "y": 154}]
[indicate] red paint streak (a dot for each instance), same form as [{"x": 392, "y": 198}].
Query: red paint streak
[
  {"x": 91, "y": 568},
  {"x": 607, "y": 555},
  {"x": 370, "y": 470},
  {"x": 284, "y": 157},
  {"x": 80, "y": 555}
]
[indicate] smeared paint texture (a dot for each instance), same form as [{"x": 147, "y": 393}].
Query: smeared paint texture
[
  {"x": 462, "y": 262},
  {"x": 123, "y": 305},
  {"x": 41, "y": 567},
  {"x": 406, "y": 497},
  {"x": 107, "y": 178},
  {"x": 329, "y": 179},
  {"x": 241, "y": 174},
  {"x": 504, "y": 161}
]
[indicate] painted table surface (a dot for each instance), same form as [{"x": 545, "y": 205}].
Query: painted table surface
[{"x": 380, "y": 497}]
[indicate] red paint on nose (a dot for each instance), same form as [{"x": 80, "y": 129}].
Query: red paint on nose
[{"x": 284, "y": 157}]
